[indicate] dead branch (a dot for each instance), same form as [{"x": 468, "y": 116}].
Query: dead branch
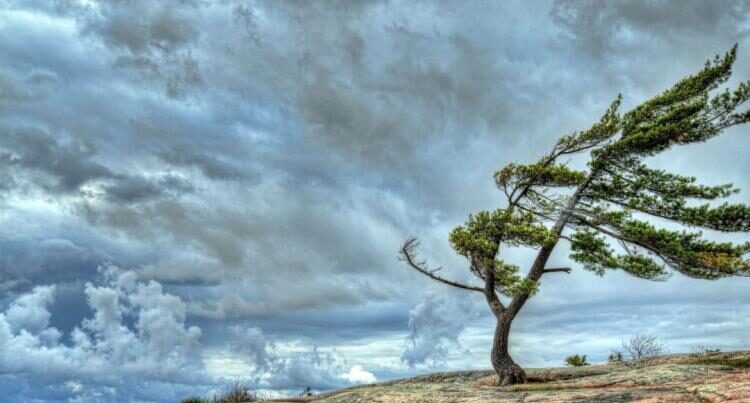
[{"x": 408, "y": 255}]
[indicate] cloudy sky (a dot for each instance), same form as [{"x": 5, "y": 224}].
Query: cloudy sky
[{"x": 194, "y": 192}]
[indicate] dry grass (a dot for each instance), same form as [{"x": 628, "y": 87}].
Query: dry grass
[{"x": 734, "y": 362}]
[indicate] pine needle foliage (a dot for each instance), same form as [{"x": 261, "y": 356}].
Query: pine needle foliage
[{"x": 612, "y": 199}]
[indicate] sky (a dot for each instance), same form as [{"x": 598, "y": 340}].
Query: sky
[{"x": 198, "y": 192}]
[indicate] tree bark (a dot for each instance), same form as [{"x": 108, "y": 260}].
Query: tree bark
[{"x": 508, "y": 372}]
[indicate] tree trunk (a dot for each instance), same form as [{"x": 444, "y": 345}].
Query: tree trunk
[{"x": 508, "y": 372}]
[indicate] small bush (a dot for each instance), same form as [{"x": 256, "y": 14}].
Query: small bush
[
  {"x": 576, "y": 361},
  {"x": 236, "y": 393},
  {"x": 615, "y": 356},
  {"x": 700, "y": 349}
]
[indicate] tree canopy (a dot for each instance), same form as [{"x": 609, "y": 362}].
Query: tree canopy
[{"x": 616, "y": 194}]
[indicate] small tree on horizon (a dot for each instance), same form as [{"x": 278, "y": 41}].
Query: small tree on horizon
[
  {"x": 549, "y": 202},
  {"x": 576, "y": 361},
  {"x": 643, "y": 346}
]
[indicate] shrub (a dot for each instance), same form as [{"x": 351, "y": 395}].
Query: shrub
[
  {"x": 576, "y": 361},
  {"x": 615, "y": 356},
  {"x": 236, "y": 393},
  {"x": 643, "y": 346},
  {"x": 700, "y": 349}
]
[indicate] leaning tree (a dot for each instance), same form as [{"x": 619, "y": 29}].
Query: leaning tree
[{"x": 610, "y": 202}]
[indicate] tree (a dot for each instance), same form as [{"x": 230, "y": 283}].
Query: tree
[
  {"x": 610, "y": 201},
  {"x": 576, "y": 361},
  {"x": 643, "y": 346}
]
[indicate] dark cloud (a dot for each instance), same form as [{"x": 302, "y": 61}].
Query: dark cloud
[
  {"x": 34, "y": 85},
  {"x": 52, "y": 260},
  {"x": 63, "y": 166},
  {"x": 154, "y": 40},
  {"x": 211, "y": 167},
  {"x": 261, "y": 162},
  {"x": 133, "y": 189},
  {"x": 629, "y": 38},
  {"x": 602, "y": 26}
]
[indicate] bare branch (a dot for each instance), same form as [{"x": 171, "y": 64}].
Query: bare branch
[
  {"x": 643, "y": 346},
  {"x": 408, "y": 255},
  {"x": 557, "y": 269}
]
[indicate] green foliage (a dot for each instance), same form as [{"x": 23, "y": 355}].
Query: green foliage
[
  {"x": 592, "y": 251},
  {"x": 479, "y": 240},
  {"x": 621, "y": 182},
  {"x": 681, "y": 115},
  {"x": 522, "y": 287},
  {"x": 541, "y": 173},
  {"x": 686, "y": 252},
  {"x": 615, "y": 357},
  {"x": 605, "y": 129},
  {"x": 510, "y": 283},
  {"x": 576, "y": 361}
]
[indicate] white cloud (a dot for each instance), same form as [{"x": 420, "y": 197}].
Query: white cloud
[
  {"x": 137, "y": 331},
  {"x": 357, "y": 374},
  {"x": 251, "y": 344},
  {"x": 29, "y": 312},
  {"x": 137, "y": 335},
  {"x": 271, "y": 367},
  {"x": 435, "y": 325}
]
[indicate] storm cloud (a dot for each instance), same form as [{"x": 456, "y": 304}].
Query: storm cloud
[{"x": 254, "y": 166}]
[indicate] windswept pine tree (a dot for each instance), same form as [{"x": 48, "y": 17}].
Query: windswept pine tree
[{"x": 609, "y": 204}]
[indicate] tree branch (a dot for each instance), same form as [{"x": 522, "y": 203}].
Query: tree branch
[
  {"x": 671, "y": 261},
  {"x": 537, "y": 268},
  {"x": 497, "y": 307},
  {"x": 557, "y": 269},
  {"x": 408, "y": 255}
]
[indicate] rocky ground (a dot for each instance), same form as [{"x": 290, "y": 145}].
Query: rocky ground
[{"x": 700, "y": 378}]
